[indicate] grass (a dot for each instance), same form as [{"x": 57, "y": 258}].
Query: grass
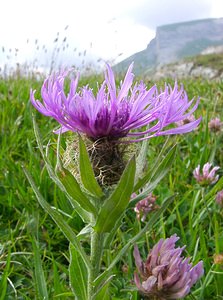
[
  {"x": 213, "y": 60},
  {"x": 34, "y": 255}
]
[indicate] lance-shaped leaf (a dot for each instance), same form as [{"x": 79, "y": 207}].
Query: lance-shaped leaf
[
  {"x": 71, "y": 185},
  {"x": 87, "y": 174},
  {"x": 78, "y": 274},
  {"x": 58, "y": 219},
  {"x": 73, "y": 189},
  {"x": 115, "y": 205},
  {"x": 154, "y": 175},
  {"x": 81, "y": 211},
  {"x": 141, "y": 159}
]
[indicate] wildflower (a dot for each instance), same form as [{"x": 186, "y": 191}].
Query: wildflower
[
  {"x": 208, "y": 176},
  {"x": 218, "y": 259},
  {"x": 166, "y": 274},
  {"x": 219, "y": 198},
  {"x": 113, "y": 113},
  {"x": 215, "y": 125},
  {"x": 114, "y": 116},
  {"x": 144, "y": 206}
]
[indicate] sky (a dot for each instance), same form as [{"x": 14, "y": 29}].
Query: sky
[{"x": 89, "y": 31}]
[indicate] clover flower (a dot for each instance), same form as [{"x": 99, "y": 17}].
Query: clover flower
[
  {"x": 145, "y": 206},
  {"x": 215, "y": 125},
  {"x": 114, "y": 112},
  {"x": 208, "y": 175},
  {"x": 219, "y": 198},
  {"x": 166, "y": 274}
]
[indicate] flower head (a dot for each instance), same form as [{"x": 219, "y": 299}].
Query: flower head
[
  {"x": 112, "y": 113},
  {"x": 215, "y": 125},
  {"x": 145, "y": 206},
  {"x": 219, "y": 198},
  {"x": 166, "y": 274},
  {"x": 208, "y": 176}
]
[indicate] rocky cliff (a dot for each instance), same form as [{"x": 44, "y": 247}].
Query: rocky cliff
[{"x": 175, "y": 42}]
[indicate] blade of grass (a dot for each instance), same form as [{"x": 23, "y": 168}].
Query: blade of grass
[
  {"x": 4, "y": 277},
  {"x": 41, "y": 284}
]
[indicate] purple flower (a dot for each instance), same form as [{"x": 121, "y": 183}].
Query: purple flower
[
  {"x": 145, "y": 206},
  {"x": 166, "y": 274},
  {"x": 114, "y": 112},
  {"x": 215, "y": 125},
  {"x": 208, "y": 176},
  {"x": 219, "y": 198}
]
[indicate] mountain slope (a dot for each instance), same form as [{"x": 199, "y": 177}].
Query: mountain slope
[{"x": 174, "y": 42}]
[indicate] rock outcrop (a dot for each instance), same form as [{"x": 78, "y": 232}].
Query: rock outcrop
[{"x": 175, "y": 42}]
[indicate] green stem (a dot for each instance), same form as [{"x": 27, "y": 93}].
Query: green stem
[
  {"x": 96, "y": 255},
  {"x": 207, "y": 209}
]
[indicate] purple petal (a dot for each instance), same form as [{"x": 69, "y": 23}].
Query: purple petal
[
  {"x": 149, "y": 283},
  {"x": 138, "y": 260}
]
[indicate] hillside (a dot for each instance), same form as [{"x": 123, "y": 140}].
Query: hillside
[
  {"x": 175, "y": 42},
  {"x": 209, "y": 66}
]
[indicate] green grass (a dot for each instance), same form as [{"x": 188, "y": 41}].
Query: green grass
[
  {"x": 34, "y": 255},
  {"x": 213, "y": 60}
]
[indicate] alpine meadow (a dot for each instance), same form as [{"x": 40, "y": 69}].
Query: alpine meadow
[{"x": 111, "y": 187}]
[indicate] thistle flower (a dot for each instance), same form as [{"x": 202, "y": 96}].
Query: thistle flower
[
  {"x": 215, "y": 125},
  {"x": 166, "y": 274},
  {"x": 208, "y": 176},
  {"x": 113, "y": 113},
  {"x": 145, "y": 206},
  {"x": 219, "y": 198}
]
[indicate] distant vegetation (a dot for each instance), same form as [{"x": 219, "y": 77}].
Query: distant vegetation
[{"x": 213, "y": 61}]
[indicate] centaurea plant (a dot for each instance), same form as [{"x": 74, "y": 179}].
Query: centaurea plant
[{"x": 106, "y": 123}]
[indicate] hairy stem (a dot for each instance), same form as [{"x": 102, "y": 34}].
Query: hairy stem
[{"x": 96, "y": 255}]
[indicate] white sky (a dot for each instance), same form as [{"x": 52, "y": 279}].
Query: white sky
[{"x": 104, "y": 28}]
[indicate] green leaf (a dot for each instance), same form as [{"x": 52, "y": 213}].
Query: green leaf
[
  {"x": 71, "y": 185},
  {"x": 87, "y": 174},
  {"x": 78, "y": 274},
  {"x": 115, "y": 205},
  {"x": 73, "y": 189},
  {"x": 86, "y": 217},
  {"x": 141, "y": 159},
  {"x": 148, "y": 227},
  {"x": 58, "y": 219},
  {"x": 86, "y": 231},
  {"x": 103, "y": 293},
  {"x": 155, "y": 174},
  {"x": 39, "y": 273},
  {"x": 216, "y": 188},
  {"x": 4, "y": 277},
  {"x": 110, "y": 236},
  {"x": 57, "y": 286}
]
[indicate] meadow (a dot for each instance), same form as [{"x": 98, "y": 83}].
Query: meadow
[{"x": 34, "y": 253}]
